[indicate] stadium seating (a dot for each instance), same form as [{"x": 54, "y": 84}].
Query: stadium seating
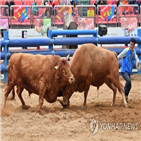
[{"x": 57, "y": 20}]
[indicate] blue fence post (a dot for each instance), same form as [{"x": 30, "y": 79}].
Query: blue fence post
[
  {"x": 6, "y": 55},
  {"x": 51, "y": 37},
  {"x": 95, "y": 35},
  {"x": 139, "y": 44}
]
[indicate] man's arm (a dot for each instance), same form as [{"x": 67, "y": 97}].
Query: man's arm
[
  {"x": 122, "y": 54},
  {"x": 138, "y": 66},
  {"x": 136, "y": 57}
]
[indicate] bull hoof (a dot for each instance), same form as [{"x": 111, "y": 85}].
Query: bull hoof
[
  {"x": 85, "y": 107},
  {"x": 112, "y": 104},
  {"x": 126, "y": 106},
  {"x": 25, "y": 107},
  {"x": 41, "y": 112}
]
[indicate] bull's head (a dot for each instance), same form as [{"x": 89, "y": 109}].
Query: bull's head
[
  {"x": 64, "y": 74},
  {"x": 66, "y": 92}
]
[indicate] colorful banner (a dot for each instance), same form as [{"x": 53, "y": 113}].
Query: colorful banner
[
  {"x": 90, "y": 12},
  {"x": 4, "y": 23},
  {"x": 85, "y": 23},
  {"x": 21, "y": 13},
  {"x": 62, "y": 11},
  {"x": 107, "y": 12},
  {"x": 129, "y": 23},
  {"x": 41, "y": 25}
]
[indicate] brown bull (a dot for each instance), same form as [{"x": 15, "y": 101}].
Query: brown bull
[
  {"x": 39, "y": 74},
  {"x": 94, "y": 66}
]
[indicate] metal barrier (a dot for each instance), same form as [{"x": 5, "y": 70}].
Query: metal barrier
[
  {"x": 106, "y": 13},
  {"x": 82, "y": 11},
  {"x": 60, "y": 11},
  {"x": 86, "y": 16},
  {"x": 42, "y": 19},
  {"x": 4, "y": 17},
  {"x": 6, "y": 43},
  {"x": 128, "y": 11},
  {"x": 46, "y": 10},
  {"x": 15, "y": 14}
]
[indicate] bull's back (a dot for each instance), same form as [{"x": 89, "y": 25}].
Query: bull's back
[
  {"x": 27, "y": 70},
  {"x": 81, "y": 62},
  {"x": 91, "y": 59},
  {"x": 31, "y": 62}
]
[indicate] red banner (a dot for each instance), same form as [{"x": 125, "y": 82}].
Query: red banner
[
  {"x": 85, "y": 23},
  {"x": 17, "y": 13},
  {"x": 20, "y": 13},
  {"x": 129, "y": 23},
  {"x": 107, "y": 12},
  {"x": 62, "y": 11}
]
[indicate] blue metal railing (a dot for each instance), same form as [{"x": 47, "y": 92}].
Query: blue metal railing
[{"x": 50, "y": 41}]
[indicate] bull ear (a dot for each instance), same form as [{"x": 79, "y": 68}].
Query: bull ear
[
  {"x": 56, "y": 67},
  {"x": 68, "y": 57}
]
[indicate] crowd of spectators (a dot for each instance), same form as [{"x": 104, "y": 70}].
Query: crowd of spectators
[
  {"x": 124, "y": 10},
  {"x": 8, "y": 3}
]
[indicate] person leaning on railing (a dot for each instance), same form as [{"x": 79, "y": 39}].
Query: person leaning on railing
[
  {"x": 1, "y": 37},
  {"x": 47, "y": 11},
  {"x": 5, "y": 11},
  {"x": 63, "y": 2},
  {"x": 35, "y": 9},
  {"x": 11, "y": 4},
  {"x": 101, "y": 2},
  {"x": 137, "y": 9}
]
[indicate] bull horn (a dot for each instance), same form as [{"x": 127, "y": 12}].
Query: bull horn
[
  {"x": 56, "y": 67},
  {"x": 68, "y": 57}
]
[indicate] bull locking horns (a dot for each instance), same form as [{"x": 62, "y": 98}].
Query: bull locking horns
[{"x": 56, "y": 67}]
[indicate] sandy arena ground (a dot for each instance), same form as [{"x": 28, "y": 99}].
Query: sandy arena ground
[{"x": 73, "y": 124}]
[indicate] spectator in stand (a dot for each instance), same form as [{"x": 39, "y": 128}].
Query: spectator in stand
[
  {"x": 114, "y": 2},
  {"x": 35, "y": 9},
  {"x": 12, "y": 9},
  {"x": 73, "y": 1},
  {"x": 59, "y": 1},
  {"x": 1, "y": 38},
  {"x": 131, "y": 1},
  {"x": 101, "y": 2},
  {"x": 119, "y": 2},
  {"x": 124, "y": 10},
  {"x": 48, "y": 11},
  {"x": 44, "y": 2},
  {"x": 63, "y": 2},
  {"x": 22, "y": 2},
  {"x": 5, "y": 11},
  {"x": 137, "y": 9},
  {"x": 53, "y": 3}
]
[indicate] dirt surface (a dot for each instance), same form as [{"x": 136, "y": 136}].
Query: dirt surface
[{"x": 73, "y": 124}]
